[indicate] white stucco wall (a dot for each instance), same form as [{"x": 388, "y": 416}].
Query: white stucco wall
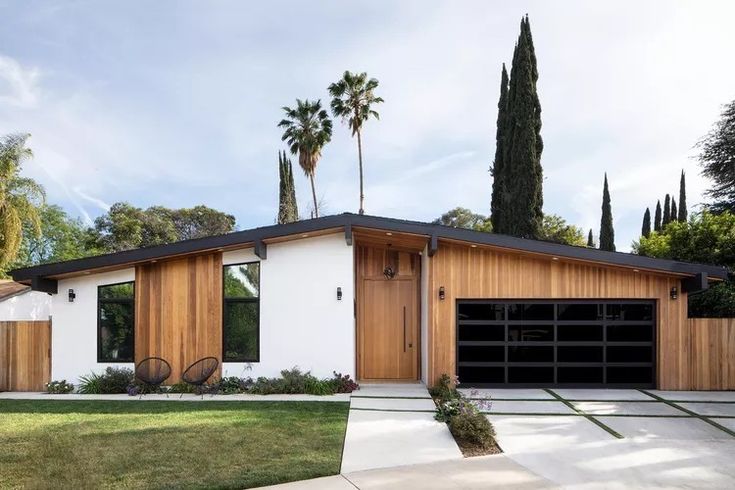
[
  {"x": 30, "y": 305},
  {"x": 74, "y": 325},
  {"x": 301, "y": 321}
]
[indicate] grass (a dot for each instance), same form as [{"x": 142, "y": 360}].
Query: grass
[{"x": 152, "y": 444}]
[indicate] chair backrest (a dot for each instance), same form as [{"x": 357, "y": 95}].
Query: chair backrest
[
  {"x": 153, "y": 370},
  {"x": 200, "y": 371}
]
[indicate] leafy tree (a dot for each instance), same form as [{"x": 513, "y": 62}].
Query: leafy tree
[
  {"x": 555, "y": 229},
  {"x": 717, "y": 158},
  {"x": 683, "y": 213},
  {"x": 522, "y": 215},
  {"x": 607, "y": 233},
  {"x": 307, "y": 129},
  {"x": 464, "y": 218},
  {"x": 706, "y": 238},
  {"x": 646, "y": 228},
  {"x": 657, "y": 219},
  {"x": 667, "y": 212},
  {"x": 590, "y": 240},
  {"x": 353, "y": 98},
  {"x": 125, "y": 227},
  {"x": 288, "y": 210},
  {"x": 20, "y": 198},
  {"x": 674, "y": 212},
  {"x": 61, "y": 238},
  {"x": 497, "y": 169}
]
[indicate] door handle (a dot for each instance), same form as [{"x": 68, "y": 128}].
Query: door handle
[{"x": 404, "y": 329}]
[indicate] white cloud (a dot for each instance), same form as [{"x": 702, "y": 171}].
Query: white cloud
[{"x": 19, "y": 86}]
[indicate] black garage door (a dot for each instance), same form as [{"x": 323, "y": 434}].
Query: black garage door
[{"x": 553, "y": 343}]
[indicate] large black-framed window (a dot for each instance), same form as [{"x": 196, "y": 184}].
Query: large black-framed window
[
  {"x": 116, "y": 322},
  {"x": 556, "y": 342},
  {"x": 241, "y": 313}
]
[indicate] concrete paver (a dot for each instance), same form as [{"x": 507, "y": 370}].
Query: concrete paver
[
  {"x": 601, "y": 394},
  {"x": 390, "y": 390},
  {"x": 523, "y": 406},
  {"x": 406, "y": 404},
  {"x": 507, "y": 393},
  {"x": 713, "y": 409},
  {"x": 665, "y": 428},
  {"x": 727, "y": 423},
  {"x": 627, "y": 408}
]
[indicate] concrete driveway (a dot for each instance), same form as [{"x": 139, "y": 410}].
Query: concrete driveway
[{"x": 618, "y": 438}]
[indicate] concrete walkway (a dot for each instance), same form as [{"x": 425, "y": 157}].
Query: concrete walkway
[{"x": 393, "y": 425}]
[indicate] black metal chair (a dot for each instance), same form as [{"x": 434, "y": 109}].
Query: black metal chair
[
  {"x": 152, "y": 372},
  {"x": 199, "y": 372}
]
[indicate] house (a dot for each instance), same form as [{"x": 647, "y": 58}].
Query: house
[{"x": 381, "y": 299}]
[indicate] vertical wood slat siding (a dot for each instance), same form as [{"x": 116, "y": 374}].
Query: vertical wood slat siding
[
  {"x": 178, "y": 312},
  {"x": 712, "y": 353},
  {"x": 25, "y": 355},
  {"x": 468, "y": 273}
]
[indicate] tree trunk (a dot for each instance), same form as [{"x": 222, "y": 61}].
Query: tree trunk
[
  {"x": 359, "y": 156},
  {"x": 313, "y": 195}
]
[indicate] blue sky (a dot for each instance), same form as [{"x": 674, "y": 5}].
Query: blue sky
[{"x": 176, "y": 103}]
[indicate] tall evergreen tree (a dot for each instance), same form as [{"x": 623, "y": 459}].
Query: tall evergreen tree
[
  {"x": 607, "y": 233},
  {"x": 674, "y": 211},
  {"x": 497, "y": 168},
  {"x": 667, "y": 212},
  {"x": 717, "y": 157},
  {"x": 683, "y": 213},
  {"x": 657, "y": 219},
  {"x": 522, "y": 214},
  {"x": 590, "y": 240},
  {"x": 288, "y": 210},
  {"x": 646, "y": 228}
]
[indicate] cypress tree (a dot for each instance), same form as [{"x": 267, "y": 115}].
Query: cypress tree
[
  {"x": 646, "y": 228},
  {"x": 288, "y": 211},
  {"x": 674, "y": 212},
  {"x": 521, "y": 213},
  {"x": 683, "y": 213},
  {"x": 590, "y": 240},
  {"x": 657, "y": 219},
  {"x": 667, "y": 212},
  {"x": 496, "y": 214},
  {"x": 607, "y": 233}
]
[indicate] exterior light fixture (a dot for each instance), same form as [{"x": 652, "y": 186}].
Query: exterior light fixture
[
  {"x": 674, "y": 293},
  {"x": 72, "y": 295},
  {"x": 442, "y": 293},
  {"x": 339, "y": 294},
  {"x": 389, "y": 273}
]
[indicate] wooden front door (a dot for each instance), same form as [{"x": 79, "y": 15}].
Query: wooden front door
[{"x": 388, "y": 314}]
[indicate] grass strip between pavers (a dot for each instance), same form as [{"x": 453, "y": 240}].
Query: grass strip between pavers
[
  {"x": 609, "y": 430},
  {"x": 693, "y": 414}
]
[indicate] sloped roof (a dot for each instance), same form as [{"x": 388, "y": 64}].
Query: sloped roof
[
  {"x": 8, "y": 289},
  {"x": 347, "y": 221}
]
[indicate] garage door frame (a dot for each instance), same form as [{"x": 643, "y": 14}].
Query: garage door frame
[{"x": 604, "y": 322}]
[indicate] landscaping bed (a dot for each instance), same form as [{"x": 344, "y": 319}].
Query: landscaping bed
[
  {"x": 470, "y": 428},
  {"x": 159, "y": 444}
]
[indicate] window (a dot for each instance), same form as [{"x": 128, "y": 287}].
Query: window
[
  {"x": 116, "y": 322},
  {"x": 241, "y": 314}
]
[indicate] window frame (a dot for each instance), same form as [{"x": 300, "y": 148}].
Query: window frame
[
  {"x": 100, "y": 301},
  {"x": 256, "y": 301}
]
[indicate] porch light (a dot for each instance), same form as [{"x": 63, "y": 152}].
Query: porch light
[
  {"x": 442, "y": 293},
  {"x": 72, "y": 295},
  {"x": 339, "y": 294},
  {"x": 674, "y": 293}
]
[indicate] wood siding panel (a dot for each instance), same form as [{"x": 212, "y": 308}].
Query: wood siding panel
[
  {"x": 25, "y": 355},
  {"x": 712, "y": 353},
  {"x": 468, "y": 273},
  {"x": 179, "y": 311}
]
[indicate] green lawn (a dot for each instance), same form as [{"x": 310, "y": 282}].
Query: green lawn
[{"x": 152, "y": 444}]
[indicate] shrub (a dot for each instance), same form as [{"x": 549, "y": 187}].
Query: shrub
[
  {"x": 294, "y": 381},
  {"x": 181, "y": 387},
  {"x": 472, "y": 428},
  {"x": 112, "y": 381},
  {"x": 230, "y": 385},
  {"x": 343, "y": 383},
  {"x": 59, "y": 387},
  {"x": 443, "y": 390}
]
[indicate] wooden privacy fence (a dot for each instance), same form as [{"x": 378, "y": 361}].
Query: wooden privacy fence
[
  {"x": 712, "y": 353},
  {"x": 25, "y": 355}
]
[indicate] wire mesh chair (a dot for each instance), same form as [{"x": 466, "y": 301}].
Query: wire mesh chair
[
  {"x": 199, "y": 372},
  {"x": 152, "y": 372}
]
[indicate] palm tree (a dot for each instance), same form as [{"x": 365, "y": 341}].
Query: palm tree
[
  {"x": 352, "y": 100},
  {"x": 308, "y": 129},
  {"x": 20, "y": 197}
]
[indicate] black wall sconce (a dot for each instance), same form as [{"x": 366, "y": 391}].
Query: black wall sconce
[
  {"x": 339, "y": 294},
  {"x": 442, "y": 293},
  {"x": 72, "y": 295},
  {"x": 674, "y": 293}
]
